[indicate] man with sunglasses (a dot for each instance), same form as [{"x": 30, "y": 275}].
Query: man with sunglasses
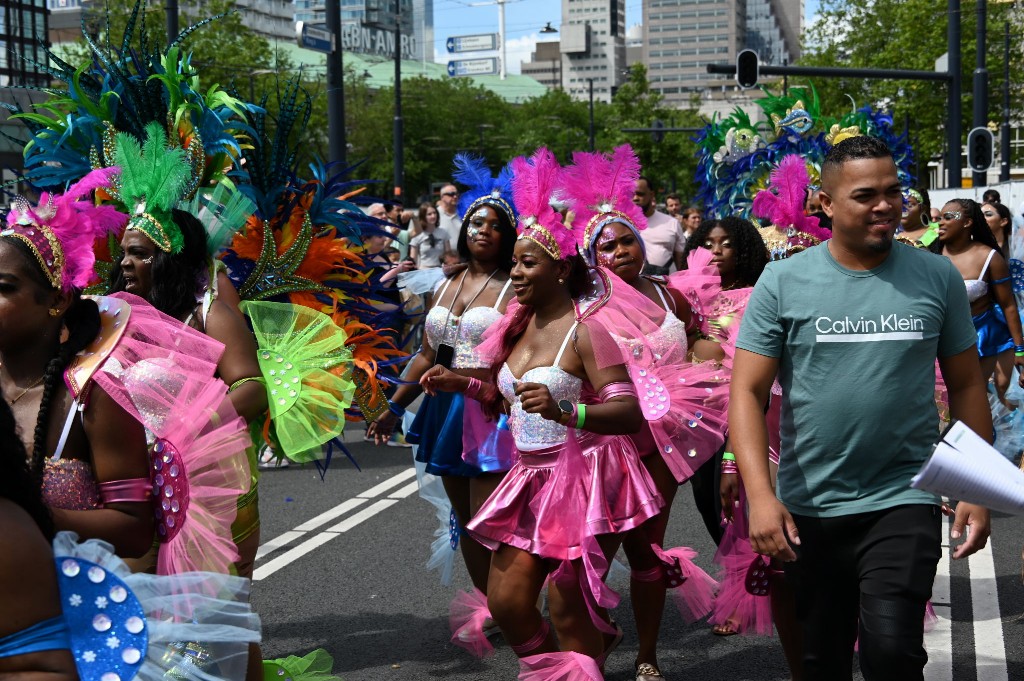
[
  {"x": 448, "y": 211},
  {"x": 852, "y": 329}
]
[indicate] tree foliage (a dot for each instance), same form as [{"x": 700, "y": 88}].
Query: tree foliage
[{"x": 911, "y": 34}]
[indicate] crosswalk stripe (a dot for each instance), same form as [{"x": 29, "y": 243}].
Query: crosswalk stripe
[
  {"x": 939, "y": 641},
  {"x": 989, "y": 648}
]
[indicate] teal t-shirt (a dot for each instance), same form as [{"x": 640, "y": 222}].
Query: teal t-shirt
[{"x": 857, "y": 353}]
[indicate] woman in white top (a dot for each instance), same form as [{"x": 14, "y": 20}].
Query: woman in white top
[{"x": 429, "y": 246}]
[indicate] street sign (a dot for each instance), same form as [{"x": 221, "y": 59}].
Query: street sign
[
  {"x": 473, "y": 67},
  {"x": 314, "y": 37},
  {"x": 472, "y": 43}
]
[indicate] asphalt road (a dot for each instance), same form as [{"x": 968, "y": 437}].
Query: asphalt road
[{"x": 342, "y": 568}]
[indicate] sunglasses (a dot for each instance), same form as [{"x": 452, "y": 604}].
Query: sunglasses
[
  {"x": 449, "y": 193},
  {"x": 952, "y": 215}
]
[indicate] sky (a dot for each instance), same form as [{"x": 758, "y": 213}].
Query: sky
[{"x": 523, "y": 21}]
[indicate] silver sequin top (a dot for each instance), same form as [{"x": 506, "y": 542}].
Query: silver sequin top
[
  {"x": 533, "y": 431},
  {"x": 475, "y": 321},
  {"x": 672, "y": 335}
]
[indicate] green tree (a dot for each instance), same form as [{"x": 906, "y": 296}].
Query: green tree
[{"x": 909, "y": 34}]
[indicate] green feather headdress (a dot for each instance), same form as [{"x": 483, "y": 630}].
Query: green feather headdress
[{"x": 154, "y": 178}]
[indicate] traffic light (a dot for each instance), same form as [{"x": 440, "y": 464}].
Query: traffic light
[
  {"x": 747, "y": 69},
  {"x": 979, "y": 149}
]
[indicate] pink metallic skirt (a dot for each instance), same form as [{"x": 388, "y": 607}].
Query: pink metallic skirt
[{"x": 537, "y": 507}]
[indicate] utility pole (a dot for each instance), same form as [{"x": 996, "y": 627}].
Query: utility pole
[
  {"x": 980, "y": 115},
  {"x": 171, "y": 7},
  {"x": 337, "y": 147},
  {"x": 1004, "y": 129},
  {"x": 956, "y": 134},
  {"x": 398, "y": 137},
  {"x": 590, "y": 86}
]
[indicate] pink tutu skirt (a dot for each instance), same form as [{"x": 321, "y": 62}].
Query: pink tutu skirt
[{"x": 523, "y": 512}]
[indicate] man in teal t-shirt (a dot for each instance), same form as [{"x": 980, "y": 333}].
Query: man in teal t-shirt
[{"x": 852, "y": 329}]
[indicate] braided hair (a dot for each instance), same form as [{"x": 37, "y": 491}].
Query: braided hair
[
  {"x": 176, "y": 276},
  {"x": 83, "y": 324},
  {"x": 980, "y": 231},
  {"x": 16, "y": 481},
  {"x": 751, "y": 253}
]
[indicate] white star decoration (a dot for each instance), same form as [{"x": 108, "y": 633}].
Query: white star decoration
[
  {"x": 75, "y": 600},
  {"x": 113, "y": 642},
  {"x": 101, "y": 602},
  {"x": 89, "y": 656}
]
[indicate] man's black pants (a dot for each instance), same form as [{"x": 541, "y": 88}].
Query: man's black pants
[{"x": 865, "y": 577}]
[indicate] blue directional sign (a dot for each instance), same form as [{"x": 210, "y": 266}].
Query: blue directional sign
[
  {"x": 472, "y": 43},
  {"x": 473, "y": 67},
  {"x": 316, "y": 38}
]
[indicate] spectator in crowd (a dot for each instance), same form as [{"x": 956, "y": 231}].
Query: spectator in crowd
[
  {"x": 447, "y": 208},
  {"x": 664, "y": 239}
]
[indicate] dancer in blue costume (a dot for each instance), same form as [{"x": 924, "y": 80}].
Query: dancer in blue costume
[{"x": 455, "y": 440}]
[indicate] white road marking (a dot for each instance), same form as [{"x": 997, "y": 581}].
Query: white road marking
[
  {"x": 939, "y": 641},
  {"x": 322, "y": 538},
  {"x": 989, "y": 649}
]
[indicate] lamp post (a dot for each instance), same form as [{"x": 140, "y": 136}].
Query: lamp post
[
  {"x": 172, "y": 20},
  {"x": 335, "y": 86},
  {"x": 398, "y": 137}
]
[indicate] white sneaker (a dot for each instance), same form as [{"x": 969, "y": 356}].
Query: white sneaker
[{"x": 268, "y": 459}]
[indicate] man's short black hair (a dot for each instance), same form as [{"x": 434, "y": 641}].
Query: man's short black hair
[
  {"x": 853, "y": 149},
  {"x": 650, "y": 185}
]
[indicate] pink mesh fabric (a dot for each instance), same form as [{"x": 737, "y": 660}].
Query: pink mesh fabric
[
  {"x": 747, "y": 613},
  {"x": 467, "y": 613},
  {"x": 565, "y": 666},
  {"x": 692, "y": 589}
]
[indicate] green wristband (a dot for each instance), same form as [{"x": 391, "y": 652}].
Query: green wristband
[
  {"x": 581, "y": 415},
  {"x": 1018, "y": 354},
  {"x": 728, "y": 456}
]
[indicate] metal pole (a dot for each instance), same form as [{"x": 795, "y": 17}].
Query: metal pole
[
  {"x": 980, "y": 117},
  {"x": 954, "y": 130},
  {"x": 337, "y": 147},
  {"x": 501, "y": 37},
  {"x": 1004, "y": 129},
  {"x": 399, "y": 150},
  {"x": 590, "y": 85},
  {"x": 172, "y": 20}
]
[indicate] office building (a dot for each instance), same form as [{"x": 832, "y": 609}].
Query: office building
[
  {"x": 364, "y": 25},
  {"x": 681, "y": 37},
  {"x": 545, "y": 65},
  {"x": 593, "y": 44}
]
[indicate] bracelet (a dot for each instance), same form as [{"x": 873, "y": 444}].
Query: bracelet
[
  {"x": 729, "y": 467},
  {"x": 581, "y": 415},
  {"x": 728, "y": 456},
  {"x": 473, "y": 389},
  {"x": 1018, "y": 349},
  {"x": 616, "y": 389},
  {"x": 396, "y": 409},
  {"x": 1018, "y": 354}
]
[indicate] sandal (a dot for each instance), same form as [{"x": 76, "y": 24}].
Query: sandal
[
  {"x": 726, "y": 628},
  {"x": 645, "y": 671}
]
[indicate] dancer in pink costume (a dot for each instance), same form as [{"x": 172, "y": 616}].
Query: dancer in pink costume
[
  {"x": 93, "y": 465},
  {"x": 681, "y": 401},
  {"x": 578, "y": 482}
]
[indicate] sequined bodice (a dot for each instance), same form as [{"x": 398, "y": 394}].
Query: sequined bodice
[
  {"x": 533, "y": 431},
  {"x": 470, "y": 332},
  {"x": 670, "y": 336},
  {"x": 69, "y": 484}
]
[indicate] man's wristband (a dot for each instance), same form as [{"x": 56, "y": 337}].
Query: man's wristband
[{"x": 728, "y": 456}]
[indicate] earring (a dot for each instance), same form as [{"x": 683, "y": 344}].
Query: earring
[
  {"x": 54, "y": 312},
  {"x": 561, "y": 281}
]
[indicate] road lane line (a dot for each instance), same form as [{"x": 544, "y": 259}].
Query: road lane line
[
  {"x": 333, "y": 513},
  {"x": 329, "y": 515},
  {"x": 939, "y": 641},
  {"x": 318, "y": 540},
  {"x": 406, "y": 491},
  {"x": 989, "y": 648},
  {"x": 393, "y": 481}
]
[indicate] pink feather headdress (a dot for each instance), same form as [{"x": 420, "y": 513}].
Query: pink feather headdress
[
  {"x": 533, "y": 182},
  {"x": 600, "y": 191},
  {"x": 783, "y": 201},
  {"x": 61, "y": 230}
]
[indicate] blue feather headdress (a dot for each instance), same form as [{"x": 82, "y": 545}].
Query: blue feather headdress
[{"x": 483, "y": 189}]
